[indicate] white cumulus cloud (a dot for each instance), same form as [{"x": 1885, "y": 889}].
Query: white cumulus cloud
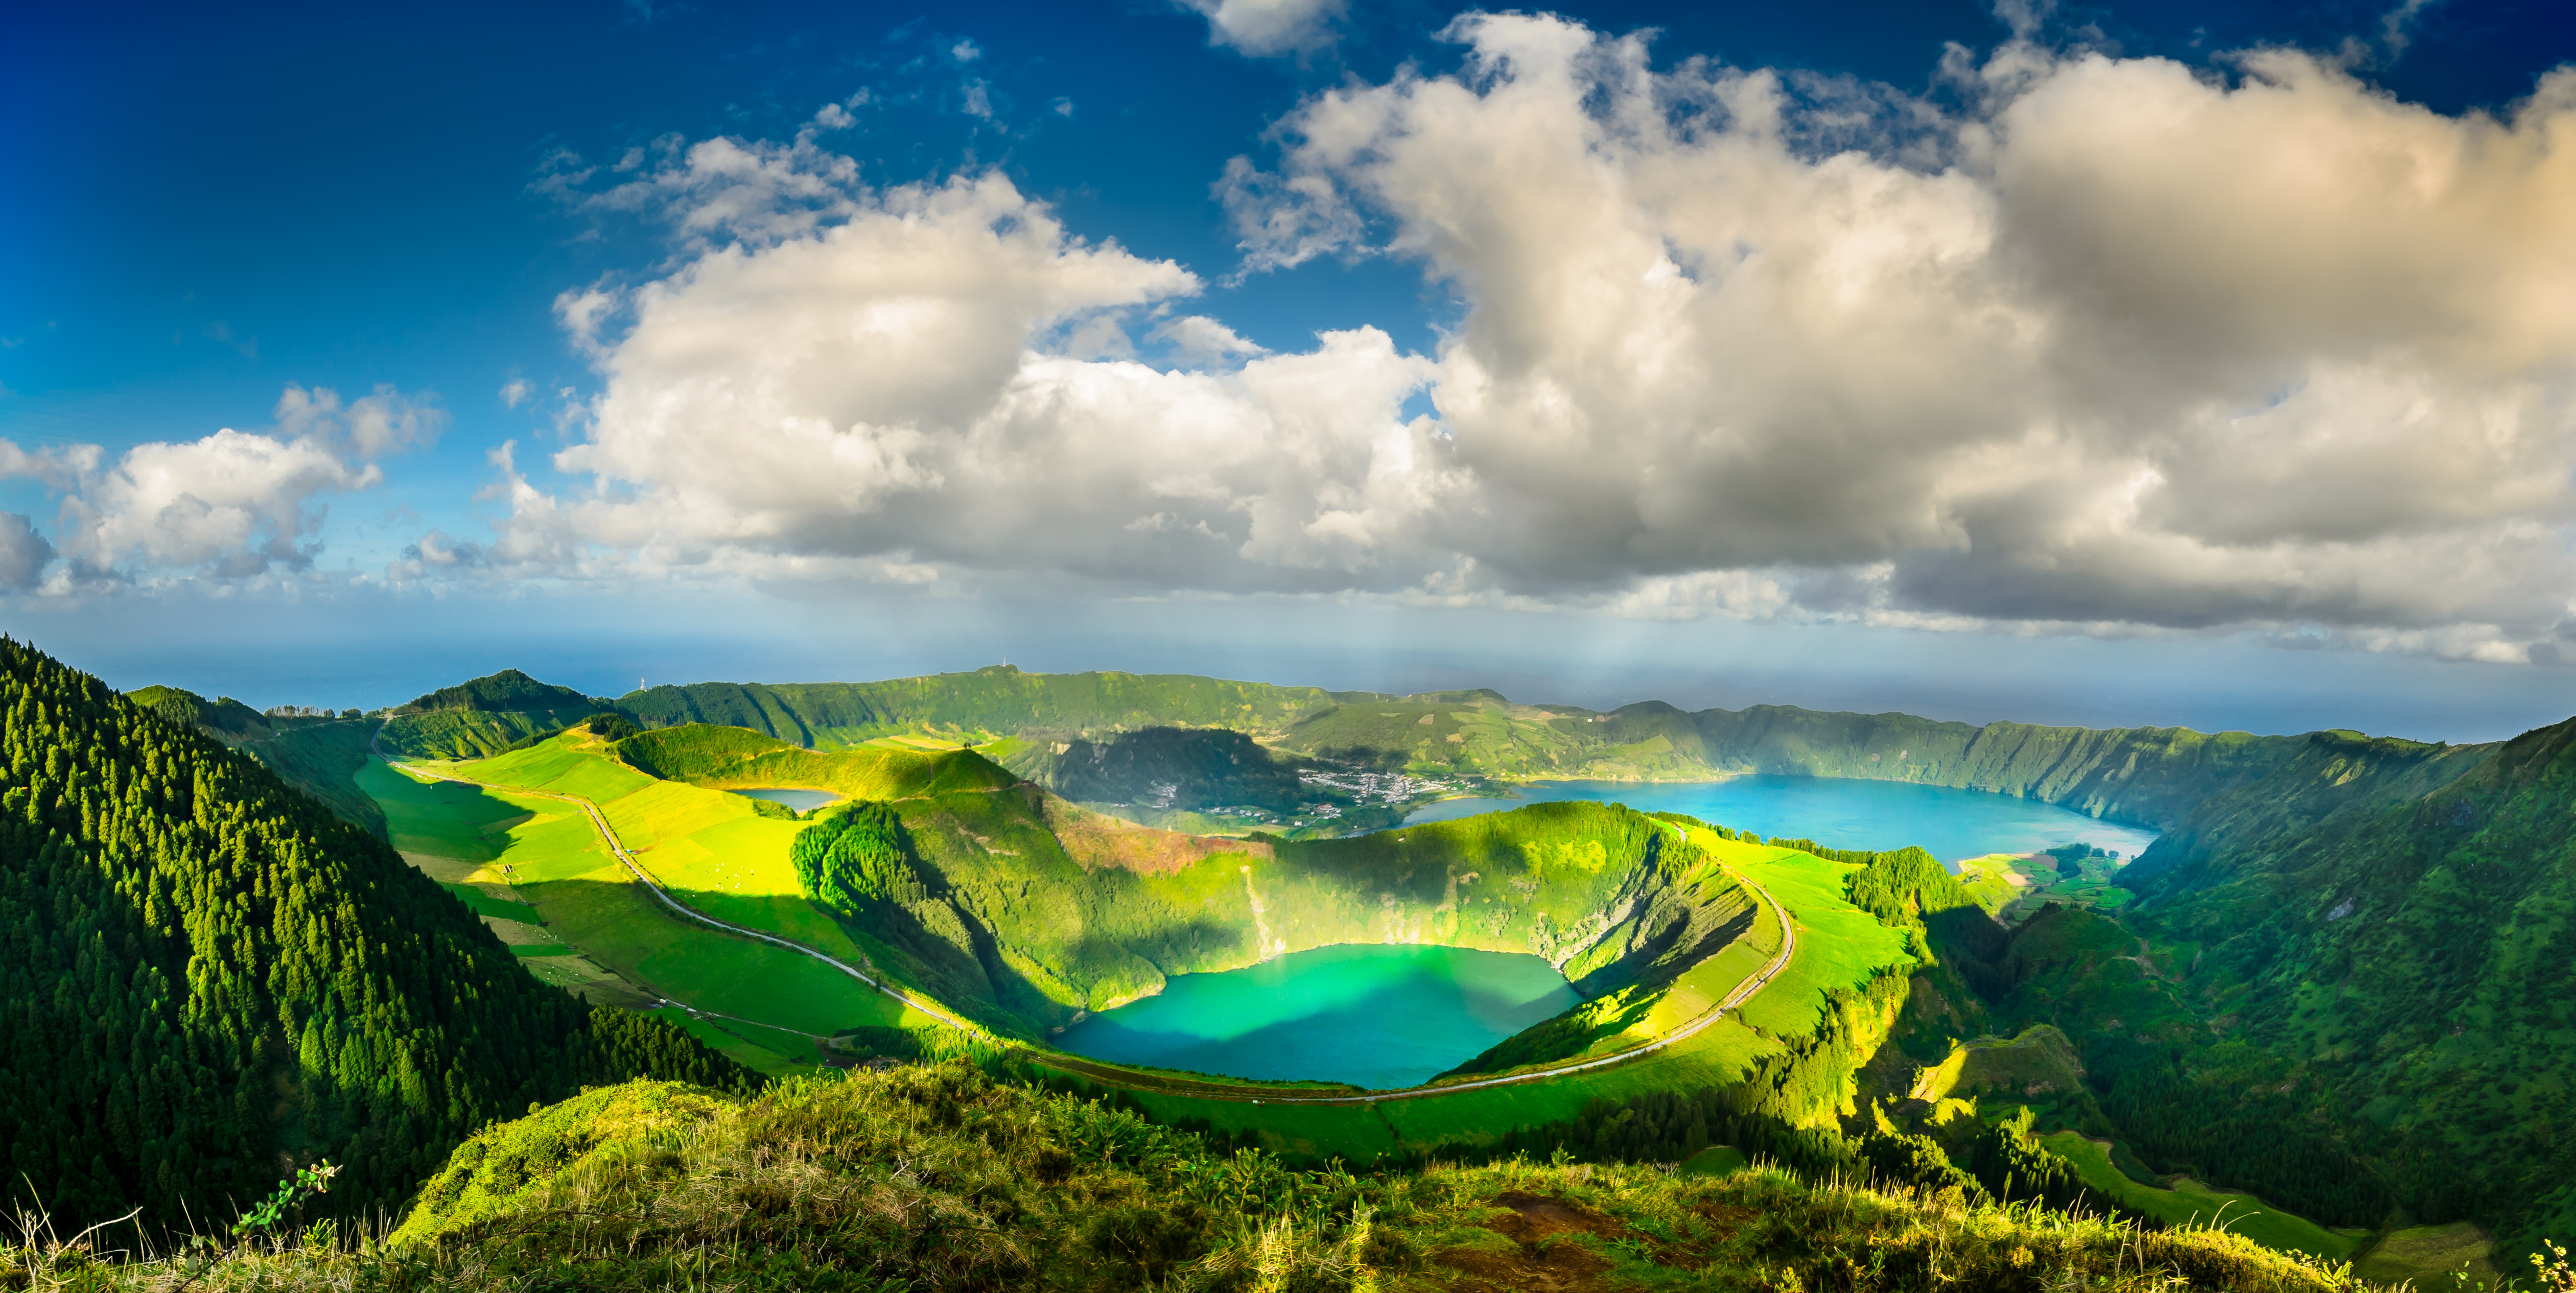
[
  {"x": 229, "y": 505},
  {"x": 2133, "y": 346},
  {"x": 939, "y": 377},
  {"x": 2117, "y": 347},
  {"x": 1263, "y": 27}
]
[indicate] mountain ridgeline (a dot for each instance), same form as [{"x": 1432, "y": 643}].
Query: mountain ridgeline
[
  {"x": 204, "y": 974},
  {"x": 1150, "y": 743},
  {"x": 482, "y": 717},
  {"x": 2144, "y": 776}
]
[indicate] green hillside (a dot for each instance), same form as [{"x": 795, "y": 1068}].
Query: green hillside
[
  {"x": 2341, "y": 986},
  {"x": 204, "y": 973},
  {"x": 508, "y": 691},
  {"x": 1168, "y": 749},
  {"x": 1026, "y": 914},
  {"x": 317, "y": 755},
  {"x": 726, "y": 757},
  {"x": 942, "y": 1178},
  {"x": 1022, "y": 911},
  {"x": 2148, "y": 776},
  {"x": 482, "y": 717},
  {"x": 2384, "y": 926},
  {"x": 994, "y": 701}
]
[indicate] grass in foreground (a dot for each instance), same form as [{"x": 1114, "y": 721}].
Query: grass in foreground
[{"x": 936, "y": 1178}]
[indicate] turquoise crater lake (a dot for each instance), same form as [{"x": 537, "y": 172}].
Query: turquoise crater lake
[
  {"x": 1373, "y": 1015},
  {"x": 1841, "y": 812}
]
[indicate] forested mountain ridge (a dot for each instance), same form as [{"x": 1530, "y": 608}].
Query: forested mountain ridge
[
  {"x": 2351, "y": 983},
  {"x": 994, "y": 701},
  {"x": 482, "y": 716},
  {"x": 204, "y": 973},
  {"x": 2146, "y": 776},
  {"x": 1158, "y": 744},
  {"x": 317, "y": 754},
  {"x": 506, "y": 692}
]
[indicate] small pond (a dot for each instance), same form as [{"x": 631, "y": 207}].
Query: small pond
[
  {"x": 1842, "y": 812},
  {"x": 1374, "y": 1015},
  {"x": 803, "y": 801}
]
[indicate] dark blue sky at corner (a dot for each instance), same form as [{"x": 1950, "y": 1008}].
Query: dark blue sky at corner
[{"x": 203, "y": 205}]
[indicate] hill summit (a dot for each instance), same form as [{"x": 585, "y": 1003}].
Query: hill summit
[{"x": 508, "y": 691}]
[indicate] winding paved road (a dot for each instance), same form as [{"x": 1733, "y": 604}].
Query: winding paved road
[{"x": 1056, "y": 1059}]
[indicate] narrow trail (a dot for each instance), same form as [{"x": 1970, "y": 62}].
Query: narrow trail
[{"x": 1076, "y": 1064}]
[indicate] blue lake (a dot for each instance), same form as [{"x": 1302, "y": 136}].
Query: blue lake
[
  {"x": 1374, "y": 1015},
  {"x": 803, "y": 801},
  {"x": 1841, "y": 812}
]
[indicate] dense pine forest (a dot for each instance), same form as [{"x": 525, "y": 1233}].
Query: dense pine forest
[{"x": 207, "y": 978}]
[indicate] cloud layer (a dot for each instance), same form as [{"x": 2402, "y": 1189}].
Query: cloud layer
[
  {"x": 2088, "y": 342},
  {"x": 228, "y": 506}
]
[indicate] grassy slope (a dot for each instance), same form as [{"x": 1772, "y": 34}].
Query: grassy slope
[
  {"x": 1067, "y": 934},
  {"x": 995, "y": 701},
  {"x": 933, "y": 1178},
  {"x": 472, "y": 733}
]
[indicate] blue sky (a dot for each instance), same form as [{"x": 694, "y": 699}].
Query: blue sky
[{"x": 1323, "y": 288}]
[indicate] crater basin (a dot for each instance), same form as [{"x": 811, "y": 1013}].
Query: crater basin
[
  {"x": 1370, "y": 1014},
  {"x": 803, "y": 801}
]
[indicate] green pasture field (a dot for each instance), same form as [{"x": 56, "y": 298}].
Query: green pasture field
[
  {"x": 561, "y": 766},
  {"x": 712, "y": 850},
  {"x": 549, "y": 851},
  {"x": 1707, "y": 983},
  {"x": 438, "y": 818},
  {"x": 1991, "y": 881},
  {"x": 772, "y": 1059},
  {"x": 2191, "y": 1203}
]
